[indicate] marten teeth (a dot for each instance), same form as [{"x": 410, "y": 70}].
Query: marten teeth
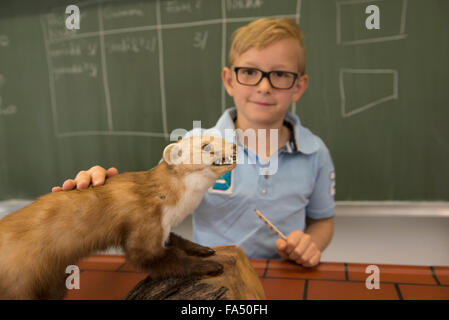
[{"x": 228, "y": 160}]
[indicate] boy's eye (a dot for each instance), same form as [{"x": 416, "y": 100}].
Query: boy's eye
[
  {"x": 280, "y": 74},
  {"x": 249, "y": 72}
]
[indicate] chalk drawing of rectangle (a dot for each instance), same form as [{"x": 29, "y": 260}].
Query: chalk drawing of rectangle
[
  {"x": 393, "y": 96},
  {"x": 400, "y": 35}
]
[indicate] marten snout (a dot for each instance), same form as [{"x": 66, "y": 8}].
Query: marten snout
[{"x": 202, "y": 151}]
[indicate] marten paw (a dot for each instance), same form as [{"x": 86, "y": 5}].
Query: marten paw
[
  {"x": 199, "y": 251},
  {"x": 209, "y": 267},
  {"x": 189, "y": 247}
]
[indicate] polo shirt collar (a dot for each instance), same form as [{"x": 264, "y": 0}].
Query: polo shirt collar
[{"x": 302, "y": 139}]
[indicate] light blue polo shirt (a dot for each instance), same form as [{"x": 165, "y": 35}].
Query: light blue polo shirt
[{"x": 303, "y": 185}]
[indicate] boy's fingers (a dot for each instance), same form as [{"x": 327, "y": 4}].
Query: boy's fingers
[
  {"x": 69, "y": 184},
  {"x": 111, "y": 172},
  {"x": 309, "y": 253},
  {"x": 302, "y": 247},
  {"x": 98, "y": 179},
  {"x": 82, "y": 180},
  {"x": 283, "y": 255},
  {"x": 313, "y": 261},
  {"x": 280, "y": 246},
  {"x": 97, "y": 175},
  {"x": 292, "y": 240}
]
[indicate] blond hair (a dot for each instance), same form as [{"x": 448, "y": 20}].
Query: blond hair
[{"x": 263, "y": 32}]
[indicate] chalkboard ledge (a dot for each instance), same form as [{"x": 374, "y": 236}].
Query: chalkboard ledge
[{"x": 428, "y": 209}]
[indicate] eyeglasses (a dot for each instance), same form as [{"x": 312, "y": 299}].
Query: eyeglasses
[{"x": 277, "y": 79}]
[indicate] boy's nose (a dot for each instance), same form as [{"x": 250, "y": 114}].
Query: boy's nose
[{"x": 264, "y": 86}]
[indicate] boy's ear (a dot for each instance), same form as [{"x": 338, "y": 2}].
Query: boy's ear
[
  {"x": 172, "y": 154},
  {"x": 226, "y": 77},
  {"x": 300, "y": 87}
]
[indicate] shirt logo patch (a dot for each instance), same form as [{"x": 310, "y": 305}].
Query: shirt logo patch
[{"x": 224, "y": 184}]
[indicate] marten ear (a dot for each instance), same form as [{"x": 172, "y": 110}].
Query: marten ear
[{"x": 172, "y": 154}]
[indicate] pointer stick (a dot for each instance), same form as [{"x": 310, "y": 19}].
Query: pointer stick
[{"x": 271, "y": 226}]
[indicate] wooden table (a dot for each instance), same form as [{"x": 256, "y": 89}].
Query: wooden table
[{"x": 110, "y": 277}]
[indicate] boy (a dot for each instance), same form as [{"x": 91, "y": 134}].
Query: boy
[{"x": 266, "y": 74}]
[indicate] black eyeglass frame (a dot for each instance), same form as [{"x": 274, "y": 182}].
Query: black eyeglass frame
[{"x": 265, "y": 75}]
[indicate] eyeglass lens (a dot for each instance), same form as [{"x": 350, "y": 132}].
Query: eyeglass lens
[{"x": 278, "y": 79}]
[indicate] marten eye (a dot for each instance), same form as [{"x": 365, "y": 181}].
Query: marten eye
[{"x": 207, "y": 147}]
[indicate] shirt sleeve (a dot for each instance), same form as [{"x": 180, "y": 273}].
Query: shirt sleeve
[{"x": 322, "y": 200}]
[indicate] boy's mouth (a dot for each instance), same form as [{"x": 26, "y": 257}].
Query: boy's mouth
[{"x": 261, "y": 103}]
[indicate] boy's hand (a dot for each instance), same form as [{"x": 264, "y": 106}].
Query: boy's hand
[
  {"x": 95, "y": 175},
  {"x": 300, "y": 248}
]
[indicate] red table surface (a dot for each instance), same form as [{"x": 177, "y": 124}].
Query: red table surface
[{"x": 108, "y": 277}]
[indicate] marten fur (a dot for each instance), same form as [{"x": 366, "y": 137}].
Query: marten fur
[{"x": 134, "y": 210}]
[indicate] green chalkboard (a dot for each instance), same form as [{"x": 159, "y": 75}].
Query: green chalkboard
[{"x": 111, "y": 92}]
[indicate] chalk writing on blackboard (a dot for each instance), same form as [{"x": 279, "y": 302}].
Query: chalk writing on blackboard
[
  {"x": 4, "y": 41},
  {"x": 74, "y": 49},
  {"x": 200, "y": 40},
  {"x": 10, "y": 109},
  {"x": 76, "y": 56},
  {"x": 110, "y": 13},
  {"x": 178, "y": 6},
  {"x": 131, "y": 43},
  {"x": 88, "y": 68},
  {"x": 69, "y": 49},
  {"x": 243, "y": 4}
]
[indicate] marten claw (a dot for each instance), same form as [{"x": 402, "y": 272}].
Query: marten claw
[
  {"x": 199, "y": 251},
  {"x": 212, "y": 268},
  {"x": 202, "y": 252}
]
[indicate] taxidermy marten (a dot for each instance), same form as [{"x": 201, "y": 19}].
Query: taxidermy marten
[{"x": 134, "y": 210}]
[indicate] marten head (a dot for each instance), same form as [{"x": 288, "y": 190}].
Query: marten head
[{"x": 199, "y": 153}]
